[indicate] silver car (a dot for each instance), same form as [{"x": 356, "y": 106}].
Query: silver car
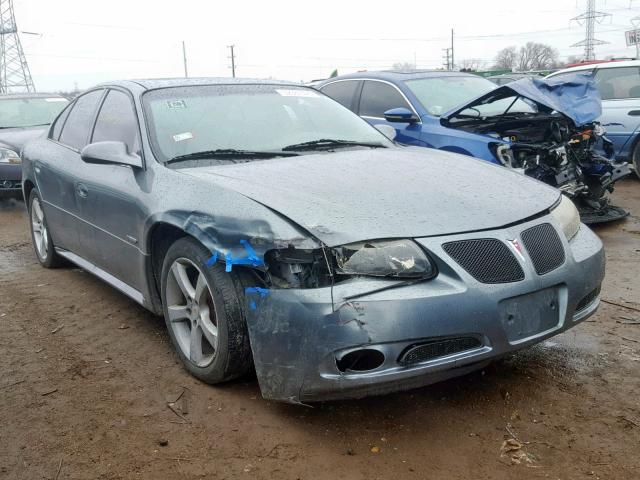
[
  {"x": 619, "y": 86},
  {"x": 274, "y": 228}
]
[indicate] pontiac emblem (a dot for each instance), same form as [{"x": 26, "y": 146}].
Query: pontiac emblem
[{"x": 517, "y": 248}]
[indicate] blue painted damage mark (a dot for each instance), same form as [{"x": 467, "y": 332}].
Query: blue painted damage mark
[
  {"x": 213, "y": 259},
  {"x": 263, "y": 292},
  {"x": 251, "y": 258}
]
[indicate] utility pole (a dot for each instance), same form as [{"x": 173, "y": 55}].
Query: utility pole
[
  {"x": 635, "y": 21},
  {"x": 233, "y": 61},
  {"x": 184, "y": 59},
  {"x": 453, "y": 63},
  {"x": 14, "y": 70},
  {"x": 447, "y": 64},
  {"x": 589, "y": 19}
]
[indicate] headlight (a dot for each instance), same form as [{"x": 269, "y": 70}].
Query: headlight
[
  {"x": 566, "y": 214},
  {"x": 384, "y": 258},
  {"x": 9, "y": 156}
]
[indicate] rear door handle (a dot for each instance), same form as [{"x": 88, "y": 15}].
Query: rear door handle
[
  {"x": 634, "y": 113},
  {"x": 82, "y": 190}
]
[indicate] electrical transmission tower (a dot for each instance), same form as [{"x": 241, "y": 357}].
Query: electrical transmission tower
[
  {"x": 14, "y": 71},
  {"x": 589, "y": 19}
]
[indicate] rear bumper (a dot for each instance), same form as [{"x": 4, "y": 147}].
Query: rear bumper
[{"x": 297, "y": 335}]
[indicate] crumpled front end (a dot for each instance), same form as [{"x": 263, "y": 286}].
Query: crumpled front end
[
  {"x": 495, "y": 292},
  {"x": 546, "y": 129}
]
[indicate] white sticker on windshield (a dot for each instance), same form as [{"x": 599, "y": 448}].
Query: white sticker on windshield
[
  {"x": 179, "y": 137},
  {"x": 55, "y": 99},
  {"x": 176, "y": 104},
  {"x": 297, "y": 92}
]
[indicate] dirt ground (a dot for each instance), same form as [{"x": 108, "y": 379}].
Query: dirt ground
[{"x": 89, "y": 388}]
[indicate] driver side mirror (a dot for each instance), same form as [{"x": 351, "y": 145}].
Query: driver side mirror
[
  {"x": 109, "y": 153},
  {"x": 400, "y": 115}
]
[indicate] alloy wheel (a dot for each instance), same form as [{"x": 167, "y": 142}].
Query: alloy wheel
[
  {"x": 191, "y": 312},
  {"x": 39, "y": 228}
]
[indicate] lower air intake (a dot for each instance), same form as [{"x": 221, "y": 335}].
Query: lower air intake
[
  {"x": 424, "y": 352},
  {"x": 588, "y": 299}
]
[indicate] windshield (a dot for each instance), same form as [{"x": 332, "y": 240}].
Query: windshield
[
  {"x": 28, "y": 112},
  {"x": 257, "y": 118},
  {"x": 438, "y": 95}
]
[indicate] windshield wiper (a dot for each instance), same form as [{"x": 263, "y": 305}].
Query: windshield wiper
[
  {"x": 229, "y": 153},
  {"x": 328, "y": 143}
]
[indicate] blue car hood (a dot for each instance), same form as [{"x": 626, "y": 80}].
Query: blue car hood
[{"x": 575, "y": 96}]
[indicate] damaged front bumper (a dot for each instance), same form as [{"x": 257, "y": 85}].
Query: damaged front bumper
[{"x": 312, "y": 344}]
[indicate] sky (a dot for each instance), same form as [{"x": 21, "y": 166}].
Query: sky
[{"x": 84, "y": 42}]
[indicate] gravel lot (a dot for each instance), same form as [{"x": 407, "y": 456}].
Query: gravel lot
[{"x": 90, "y": 388}]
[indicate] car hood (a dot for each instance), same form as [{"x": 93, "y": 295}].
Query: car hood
[
  {"x": 353, "y": 195},
  {"x": 15, "y": 138},
  {"x": 575, "y": 96}
]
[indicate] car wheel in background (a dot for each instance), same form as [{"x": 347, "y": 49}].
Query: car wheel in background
[
  {"x": 203, "y": 310},
  {"x": 635, "y": 158},
  {"x": 40, "y": 236}
]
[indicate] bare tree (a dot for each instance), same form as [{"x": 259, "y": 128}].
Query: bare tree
[
  {"x": 506, "y": 58},
  {"x": 403, "y": 66},
  {"x": 472, "y": 64},
  {"x": 532, "y": 56},
  {"x": 574, "y": 59},
  {"x": 536, "y": 56}
]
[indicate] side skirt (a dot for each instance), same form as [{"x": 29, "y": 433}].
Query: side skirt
[{"x": 102, "y": 275}]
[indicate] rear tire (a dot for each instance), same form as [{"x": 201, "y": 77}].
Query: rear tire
[
  {"x": 40, "y": 236},
  {"x": 204, "y": 314}
]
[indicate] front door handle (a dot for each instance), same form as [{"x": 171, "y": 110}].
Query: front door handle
[
  {"x": 82, "y": 190},
  {"x": 634, "y": 113}
]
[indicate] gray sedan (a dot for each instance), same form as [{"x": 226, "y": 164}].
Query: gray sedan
[{"x": 274, "y": 228}]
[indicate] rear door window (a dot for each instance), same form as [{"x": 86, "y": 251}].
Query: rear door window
[
  {"x": 343, "y": 92},
  {"x": 117, "y": 121},
  {"x": 378, "y": 97},
  {"x": 75, "y": 132},
  {"x": 618, "y": 82}
]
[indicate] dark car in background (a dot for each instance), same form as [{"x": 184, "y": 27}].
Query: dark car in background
[
  {"x": 273, "y": 227},
  {"x": 23, "y": 117}
]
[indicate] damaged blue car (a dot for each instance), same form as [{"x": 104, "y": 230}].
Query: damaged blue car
[
  {"x": 544, "y": 128},
  {"x": 273, "y": 228}
]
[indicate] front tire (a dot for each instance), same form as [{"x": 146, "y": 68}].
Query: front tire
[
  {"x": 203, "y": 311},
  {"x": 40, "y": 236}
]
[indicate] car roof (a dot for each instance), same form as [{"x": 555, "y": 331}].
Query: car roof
[
  {"x": 153, "y": 83},
  {"x": 396, "y": 75},
  {"x": 30, "y": 95},
  {"x": 599, "y": 66},
  {"x": 513, "y": 74}
]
